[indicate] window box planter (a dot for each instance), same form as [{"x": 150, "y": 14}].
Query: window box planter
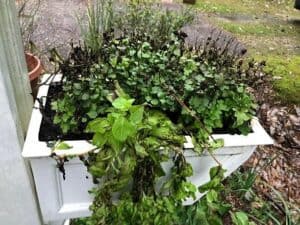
[{"x": 69, "y": 198}]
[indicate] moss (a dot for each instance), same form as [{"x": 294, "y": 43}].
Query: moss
[
  {"x": 258, "y": 29},
  {"x": 253, "y": 7},
  {"x": 286, "y": 72},
  {"x": 262, "y": 25},
  {"x": 214, "y": 7}
]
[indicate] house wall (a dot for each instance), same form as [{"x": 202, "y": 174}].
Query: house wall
[{"x": 18, "y": 205}]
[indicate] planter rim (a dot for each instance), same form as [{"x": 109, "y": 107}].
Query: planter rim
[
  {"x": 33, "y": 148},
  {"x": 33, "y": 74}
]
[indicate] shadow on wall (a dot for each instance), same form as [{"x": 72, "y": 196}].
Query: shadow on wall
[{"x": 297, "y": 4}]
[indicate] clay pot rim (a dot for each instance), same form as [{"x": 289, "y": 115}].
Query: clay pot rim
[{"x": 33, "y": 74}]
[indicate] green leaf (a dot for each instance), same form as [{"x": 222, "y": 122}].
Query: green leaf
[
  {"x": 241, "y": 117},
  {"x": 162, "y": 132},
  {"x": 62, "y": 146},
  {"x": 98, "y": 125},
  {"x": 114, "y": 143},
  {"x": 218, "y": 143},
  {"x": 215, "y": 220},
  {"x": 56, "y": 119},
  {"x": 85, "y": 96},
  {"x": 239, "y": 218},
  {"x": 54, "y": 105},
  {"x": 92, "y": 114},
  {"x": 136, "y": 114},
  {"x": 140, "y": 150},
  {"x": 177, "y": 52},
  {"x": 123, "y": 104},
  {"x": 216, "y": 171},
  {"x": 99, "y": 139},
  {"x": 114, "y": 61},
  {"x": 121, "y": 129},
  {"x": 212, "y": 196}
]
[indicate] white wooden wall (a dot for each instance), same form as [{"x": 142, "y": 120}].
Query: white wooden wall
[{"x": 18, "y": 205}]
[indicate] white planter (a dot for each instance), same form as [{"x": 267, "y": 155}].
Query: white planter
[{"x": 61, "y": 199}]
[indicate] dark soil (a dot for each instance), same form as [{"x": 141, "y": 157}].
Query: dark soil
[
  {"x": 51, "y": 132},
  {"x": 48, "y": 130}
]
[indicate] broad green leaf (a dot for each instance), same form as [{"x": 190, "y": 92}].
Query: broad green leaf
[
  {"x": 92, "y": 114},
  {"x": 98, "y": 125},
  {"x": 240, "y": 218},
  {"x": 99, "y": 139},
  {"x": 136, "y": 114},
  {"x": 162, "y": 132},
  {"x": 215, "y": 220},
  {"x": 241, "y": 117},
  {"x": 216, "y": 172},
  {"x": 212, "y": 196},
  {"x": 54, "y": 105},
  {"x": 121, "y": 129},
  {"x": 114, "y": 143},
  {"x": 140, "y": 150},
  {"x": 122, "y": 103},
  {"x": 218, "y": 143},
  {"x": 62, "y": 146},
  {"x": 177, "y": 52},
  {"x": 56, "y": 120},
  {"x": 114, "y": 61},
  {"x": 85, "y": 96}
]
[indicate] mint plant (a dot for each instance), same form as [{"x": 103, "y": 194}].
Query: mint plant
[{"x": 139, "y": 90}]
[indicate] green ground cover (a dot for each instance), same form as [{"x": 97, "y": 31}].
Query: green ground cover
[{"x": 271, "y": 32}]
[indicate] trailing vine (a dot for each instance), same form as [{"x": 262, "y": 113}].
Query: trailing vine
[{"x": 139, "y": 93}]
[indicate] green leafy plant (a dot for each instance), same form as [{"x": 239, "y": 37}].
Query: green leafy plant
[
  {"x": 241, "y": 218},
  {"x": 219, "y": 100},
  {"x": 138, "y": 90},
  {"x": 133, "y": 141}
]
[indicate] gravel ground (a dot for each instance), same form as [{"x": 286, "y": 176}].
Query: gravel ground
[{"x": 57, "y": 24}]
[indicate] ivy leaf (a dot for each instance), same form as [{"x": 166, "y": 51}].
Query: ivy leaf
[
  {"x": 121, "y": 129},
  {"x": 136, "y": 114},
  {"x": 62, "y": 146},
  {"x": 122, "y": 103}
]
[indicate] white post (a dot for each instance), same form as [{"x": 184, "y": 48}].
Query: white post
[{"x": 18, "y": 202}]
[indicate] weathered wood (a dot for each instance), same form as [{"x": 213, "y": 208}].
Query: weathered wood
[
  {"x": 18, "y": 205},
  {"x": 10, "y": 36}
]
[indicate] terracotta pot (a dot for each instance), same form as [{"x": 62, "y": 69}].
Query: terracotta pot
[
  {"x": 35, "y": 69},
  {"x": 189, "y": 1}
]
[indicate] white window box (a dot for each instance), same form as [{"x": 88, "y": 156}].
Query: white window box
[{"x": 69, "y": 198}]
